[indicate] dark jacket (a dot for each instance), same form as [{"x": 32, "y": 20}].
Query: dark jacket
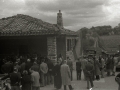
[
  {"x": 89, "y": 68},
  {"x": 78, "y": 66},
  {"x": 36, "y": 67},
  {"x": 26, "y": 82},
  {"x": 70, "y": 64},
  {"x": 109, "y": 64},
  {"x": 15, "y": 78},
  {"x": 50, "y": 66},
  {"x": 22, "y": 67},
  {"x": 57, "y": 76},
  {"x": 97, "y": 67},
  {"x": 28, "y": 65}
]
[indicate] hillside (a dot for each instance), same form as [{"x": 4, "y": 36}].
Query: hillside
[{"x": 111, "y": 42}]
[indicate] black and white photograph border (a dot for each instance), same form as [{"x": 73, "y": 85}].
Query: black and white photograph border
[{"x": 44, "y": 39}]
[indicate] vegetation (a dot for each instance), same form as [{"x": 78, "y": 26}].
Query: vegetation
[
  {"x": 106, "y": 36},
  {"x": 106, "y": 30}
]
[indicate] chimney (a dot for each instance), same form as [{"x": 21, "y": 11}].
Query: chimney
[{"x": 59, "y": 19}]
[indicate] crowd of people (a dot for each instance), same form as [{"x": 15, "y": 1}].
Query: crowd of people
[
  {"x": 95, "y": 68},
  {"x": 31, "y": 73}
]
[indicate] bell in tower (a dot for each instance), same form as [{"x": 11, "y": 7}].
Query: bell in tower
[{"x": 59, "y": 19}]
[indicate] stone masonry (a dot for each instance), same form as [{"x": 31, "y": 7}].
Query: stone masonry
[
  {"x": 59, "y": 19},
  {"x": 51, "y": 48}
]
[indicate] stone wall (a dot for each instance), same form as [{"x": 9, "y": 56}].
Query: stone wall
[
  {"x": 51, "y": 48},
  {"x": 61, "y": 47}
]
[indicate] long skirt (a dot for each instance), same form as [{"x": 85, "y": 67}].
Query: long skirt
[{"x": 57, "y": 82}]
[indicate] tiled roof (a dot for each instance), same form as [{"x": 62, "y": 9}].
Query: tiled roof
[
  {"x": 26, "y": 25},
  {"x": 64, "y": 30}
]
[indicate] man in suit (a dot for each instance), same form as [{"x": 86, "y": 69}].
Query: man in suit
[
  {"x": 70, "y": 64},
  {"x": 83, "y": 63},
  {"x": 89, "y": 69},
  {"x": 78, "y": 69}
]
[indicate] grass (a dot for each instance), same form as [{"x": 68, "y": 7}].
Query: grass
[{"x": 111, "y": 41}]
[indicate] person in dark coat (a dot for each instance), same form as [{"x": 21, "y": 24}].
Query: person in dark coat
[
  {"x": 26, "y": 81},
  {"x": 22, "y": 67},
  {"x": 78, "y": 69},
  {"x": 16, "y": 65},
  {"x": 57, "y": 75},
  {"x": 92, "y": 61},
  {"x": 112, "y": 66},
  {"x": 7, "y": 67},
  {"x": 97, "y": 67},
  {"x": 28, "y": 65},
  {"x": 83, "y": 63},
  {"x": 54, "y": 73},
  {"x": 35, "y": 66},
  {"x": 15, "y": 78},
  {"x": 109, "y": 65},
  {"x": 89, "y": 68},
  {"x": 49, "y": 73}
]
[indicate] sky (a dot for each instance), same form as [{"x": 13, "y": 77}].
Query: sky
[{"x": 76, "y": 13}]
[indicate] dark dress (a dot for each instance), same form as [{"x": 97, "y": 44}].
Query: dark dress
[
  {"x": 57, "y": 76},
  {"x": 78, "y": 70},
  {"x": 26, "y": 82}
]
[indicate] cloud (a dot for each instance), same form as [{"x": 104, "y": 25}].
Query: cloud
[
  {"x": 11, "y": 7},
  {"x": 112, "y": 10},
  {"x": 65, "y": 5},
  {"x": 76, "y": 13}
]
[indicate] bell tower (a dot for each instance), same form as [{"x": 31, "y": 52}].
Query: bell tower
[{"x": 59, "y": 19}]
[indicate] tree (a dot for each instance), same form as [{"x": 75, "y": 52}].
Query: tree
[
  {"x": 88, "y": 43},
  {"x": 84, "y": 31}
]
